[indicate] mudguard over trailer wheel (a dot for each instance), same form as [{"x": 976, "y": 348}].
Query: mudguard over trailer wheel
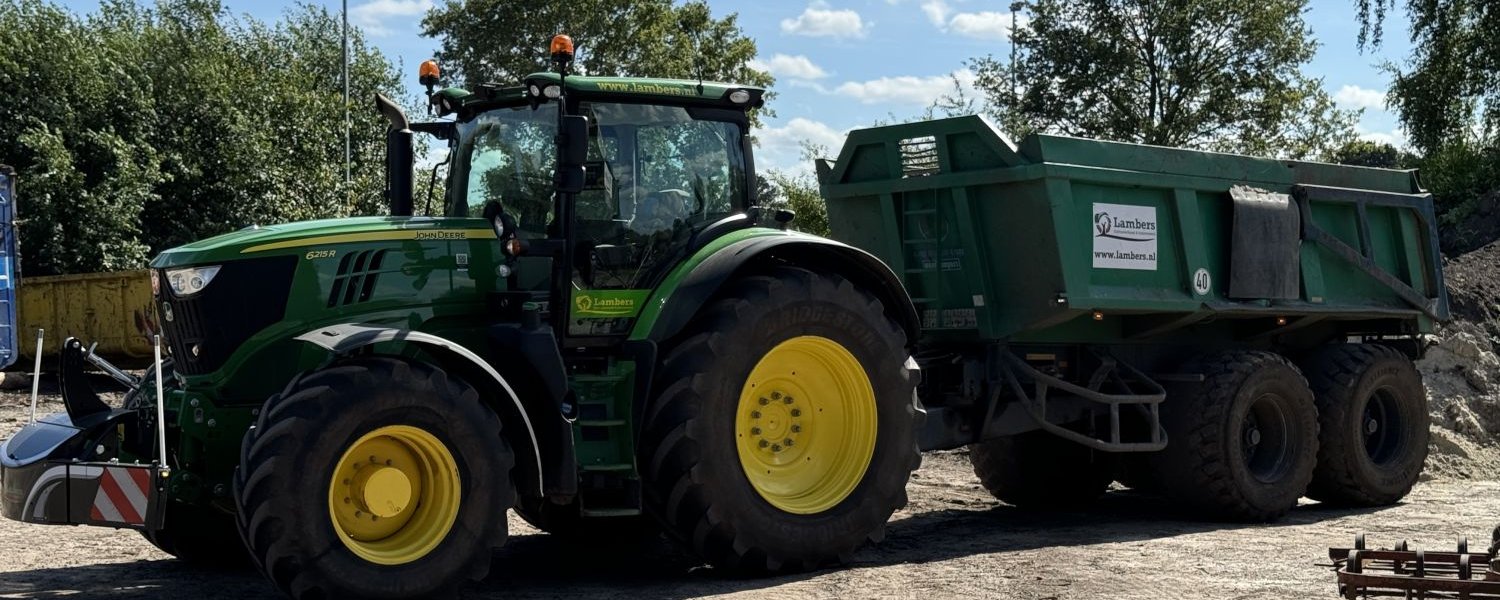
[
  {"x": 1372, "y": 412},
  {"x": 783, "y": 431},
  {"x": 375, "y": 477},
  {"x": 1040, "y": 470},
  {"x": 1243, "y": 441}
]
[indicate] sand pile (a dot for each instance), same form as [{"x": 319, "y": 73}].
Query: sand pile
[{"x": 1462, "y": 371}]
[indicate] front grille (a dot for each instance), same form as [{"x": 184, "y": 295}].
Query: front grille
[{"x": 244, "y": 298}]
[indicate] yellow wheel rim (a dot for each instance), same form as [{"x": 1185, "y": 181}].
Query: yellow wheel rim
[
  {"x": 394, "y": 494},
  {"x": 806, "y": 423}
]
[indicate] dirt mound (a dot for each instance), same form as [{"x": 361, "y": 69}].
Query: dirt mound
[{"x": 1462, "y": 371}]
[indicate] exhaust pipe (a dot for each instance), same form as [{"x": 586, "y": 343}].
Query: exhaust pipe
[{"x": 398, "y": 157}]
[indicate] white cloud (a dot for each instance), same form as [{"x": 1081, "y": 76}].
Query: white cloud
[
  {"x": 984, "y": 25},
  {"x": 781, "y": 147},
  {"x": 820, "y": 20},
  {"x": 791, "y": 67},
  {"x": 907, "y": 89},
  {"x": 372, "y": 16},
  {"x": 1396, "y": 137},
  {"x": 937, "y": 12},
  {"x": 1353, "y": 96}
]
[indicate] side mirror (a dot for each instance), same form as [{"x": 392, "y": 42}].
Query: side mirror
[{"x": 573, "y": 146}]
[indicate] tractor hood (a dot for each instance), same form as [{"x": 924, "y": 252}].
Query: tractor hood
[{"x": 290, "y": 238}]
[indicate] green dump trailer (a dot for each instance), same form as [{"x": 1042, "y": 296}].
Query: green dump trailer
[{"x": 1227, "y": 329}]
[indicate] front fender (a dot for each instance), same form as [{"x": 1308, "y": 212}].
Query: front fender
[
  {"x": 693, "y": 283},
  {"x": 345, "y": 338}
]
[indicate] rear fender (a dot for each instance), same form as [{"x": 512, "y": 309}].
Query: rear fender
[
  {"x": 345, "y": 338},
  {"x": 673, "y": 305}
]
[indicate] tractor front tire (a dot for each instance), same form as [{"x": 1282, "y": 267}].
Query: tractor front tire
[
  {"x": 1039, "y": 470},
  {"x": 782, "y": 433},
  {"x": 375, "y": 477},
  {"x": 1372, "y": 412},
  {"x": 1243, "y": 441}
]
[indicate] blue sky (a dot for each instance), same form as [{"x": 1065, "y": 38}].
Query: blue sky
[{"x": 842, "y": 64}]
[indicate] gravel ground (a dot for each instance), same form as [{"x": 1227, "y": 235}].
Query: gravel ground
[{"x": 952, "y": 541}]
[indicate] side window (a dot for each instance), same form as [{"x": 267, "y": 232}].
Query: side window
[
  {"x": 510, "y": 155},
  {"x": 692, "y": 158}
]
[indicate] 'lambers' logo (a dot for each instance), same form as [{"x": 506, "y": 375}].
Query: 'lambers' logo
[
  {"x": 1129, "y": 230},
  {"x": 608, "y": 303}
]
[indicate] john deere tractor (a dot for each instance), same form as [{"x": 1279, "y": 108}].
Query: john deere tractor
[{"x": 603, "y": 332}]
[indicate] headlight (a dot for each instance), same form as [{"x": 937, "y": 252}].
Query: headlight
[{"x": 190, "y": 280}]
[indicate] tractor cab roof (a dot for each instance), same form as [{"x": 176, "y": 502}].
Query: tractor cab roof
[{"x": 535, "y": 87}]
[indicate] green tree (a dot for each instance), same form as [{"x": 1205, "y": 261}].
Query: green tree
[
  {"x": 1447, "y": 97},
  {"x": 503, "y": 41},
  {"x": 1211, "y": 74},
  {"x": 1366, "y": 153},
  {"x": 1449, "y": 90},
  {"x": 137, "y": 129}
]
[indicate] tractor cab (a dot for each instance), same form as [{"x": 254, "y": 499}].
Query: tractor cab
[{"x": 657, "y": 168}]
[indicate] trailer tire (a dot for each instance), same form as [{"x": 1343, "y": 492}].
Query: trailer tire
[
  {"x": 438, "y": 473},
  {"x": 854, "y": 444},
  {"x": 1039, "y": 470},
  {"x": 1355, "y": 385},
  {"x": 1244, "y": 441}
]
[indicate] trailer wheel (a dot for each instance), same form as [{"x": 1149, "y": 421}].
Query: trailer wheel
[
  {"x": 376, "y": 477},
  {"x": 1040, "y": 470},
  {"x": 1372, "y": 412},
  {"x": 1244, "y": 441},
  {"x": 783, "y": 431}
]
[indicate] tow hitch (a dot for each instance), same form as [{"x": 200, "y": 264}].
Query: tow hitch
[{"x": 65, "y": 468}]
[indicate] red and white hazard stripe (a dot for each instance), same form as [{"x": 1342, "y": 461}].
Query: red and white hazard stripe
[{"x": 123, "y": 495}]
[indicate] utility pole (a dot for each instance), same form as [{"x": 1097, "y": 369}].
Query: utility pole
[
  {"x": 348, "y": 144},
  {"x": 1015, "y": 8}
]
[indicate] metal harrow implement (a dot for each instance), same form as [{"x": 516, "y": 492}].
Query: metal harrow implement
[{"x": 1414, "y": 574}]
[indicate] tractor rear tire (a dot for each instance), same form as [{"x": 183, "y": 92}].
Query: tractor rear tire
[
  {"x": 782, "y": 433},
  {"x": 379, "y": 438},
  {"x": 1372, "y": 412},
  {"x": 1244, "y": 441},
  {"x": 200, "y": 536},
  {"x": 1039, "y": 470}
]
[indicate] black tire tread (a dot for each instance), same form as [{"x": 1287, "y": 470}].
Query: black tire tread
[
  {"x": 293, "y": 412},
  {"x": 670, "y": 455},
  {"x": 1038, "y": 470},
  {"x": 1333, "y": 372},
  {"x": 1201, "y": 476}
]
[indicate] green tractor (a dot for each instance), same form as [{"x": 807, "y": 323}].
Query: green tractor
[
  {"x": 604, "y": 333},
  {"x": 608, "y": 334}
]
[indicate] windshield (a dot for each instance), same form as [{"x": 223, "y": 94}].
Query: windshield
[{"x": 652, "y": 170}]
